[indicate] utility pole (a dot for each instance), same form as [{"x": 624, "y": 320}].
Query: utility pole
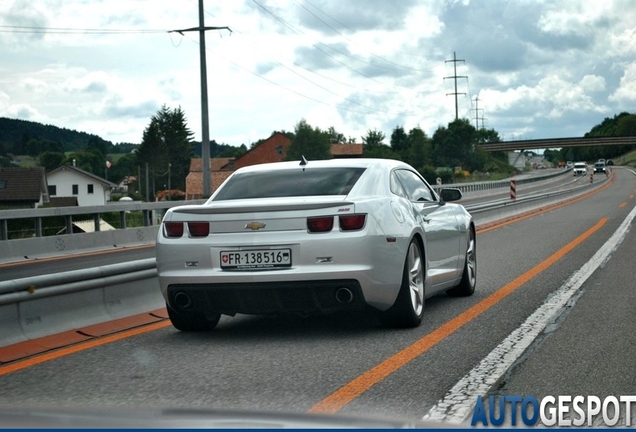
[
  {"x": 205, "y": 125},
  {"x": 477, "y": 114},
  {"x": 455, "y": 76}
]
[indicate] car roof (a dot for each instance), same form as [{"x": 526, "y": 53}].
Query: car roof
[{"x": 356, "y": 163}]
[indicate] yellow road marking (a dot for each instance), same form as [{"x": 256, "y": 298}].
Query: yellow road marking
[
  {"x": 32, "y": 361},
  {"x": 341, "y": 397}
]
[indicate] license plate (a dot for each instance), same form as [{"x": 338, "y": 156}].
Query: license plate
[{"x": 255, "y": 259}]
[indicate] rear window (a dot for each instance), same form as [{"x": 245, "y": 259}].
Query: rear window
[{"x": 290, "y": 183}]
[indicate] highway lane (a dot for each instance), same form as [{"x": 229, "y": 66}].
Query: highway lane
[{"x": 293, "y": 364}]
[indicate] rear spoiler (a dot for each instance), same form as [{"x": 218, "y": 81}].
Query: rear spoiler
[{"x": 240, "y": 206}]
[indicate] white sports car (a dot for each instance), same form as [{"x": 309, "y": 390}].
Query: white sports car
[{"x": 316, "y": 237}]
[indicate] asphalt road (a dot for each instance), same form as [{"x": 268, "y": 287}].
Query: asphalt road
[{"x": 351, "y": 364}]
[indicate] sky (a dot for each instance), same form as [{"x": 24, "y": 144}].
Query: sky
[{"x": 527, "y": 69}]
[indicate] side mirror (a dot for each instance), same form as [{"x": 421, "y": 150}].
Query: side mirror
[{"x": 450, "y": 194}]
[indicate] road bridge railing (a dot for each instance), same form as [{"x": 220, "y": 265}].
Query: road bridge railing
[{"x": 38, "y": 245}]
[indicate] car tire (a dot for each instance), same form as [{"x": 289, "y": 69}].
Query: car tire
[
  {"x": 192, "y": 321},
  {"x": 408, "y": 309},
  {"x": 467, "y": 285}
]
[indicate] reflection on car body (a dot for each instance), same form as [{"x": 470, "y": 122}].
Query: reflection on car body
[{"x": 316, "y": 238}]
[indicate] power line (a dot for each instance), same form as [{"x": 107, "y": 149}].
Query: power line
[
  {"x": 69, "y": 30},
  {"x": 454, "y": 77},
  {"x": 401, "y": 67},
  {"x": 313, "y": 99},
  {"x": 289, "y": 26},
  {"x": 350, "y": 29}
]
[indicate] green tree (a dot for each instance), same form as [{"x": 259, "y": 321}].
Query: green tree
[
  {"x": 51, "y": 160},
  {"x": 336, "y": 137},
  {"x": 233, "y": 151},
  {"x": 400, "y": 142},
  {"x": 36, "y": 146},
  {"x": 487, "y": 136},
  {"x": 373, "y": 138},
  {"x": 166, "y": 147},
  {"x": 453, "y": 146},
  {"x": 419, "y": 148},
  {"x": 626, "y": 125},
  {"x": 98, "y": 144},
  {"x": 125, "y": 166},
  {"x": 313, "y": 143},
  {"x": 374, "y": 147},
  {"x": 552, "y": 155},
  {"x": 91, "y": 161}
]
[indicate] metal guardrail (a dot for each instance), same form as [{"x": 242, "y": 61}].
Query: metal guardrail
[
  {"x": 499, "y": 184},
  {"x": 35, "y": 287},
  {"x": 493, "y": 205},
  {"x": 38, "y": 214}
]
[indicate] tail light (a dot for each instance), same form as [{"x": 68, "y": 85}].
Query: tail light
[
  {"x": 199, "y": 229},
  {"x": 352, "y": 222},
  {"x": 173, "y": 229},
  {"x": 320, "y": 224}
]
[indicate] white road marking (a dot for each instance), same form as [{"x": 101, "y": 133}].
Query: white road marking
[{"x": 459, "y": 402}]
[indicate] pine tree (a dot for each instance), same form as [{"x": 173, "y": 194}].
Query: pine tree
[{"x": 166, "y": 147}]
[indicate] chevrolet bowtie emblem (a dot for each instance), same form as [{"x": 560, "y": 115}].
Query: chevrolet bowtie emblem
[{"x": 254, "y": 226}]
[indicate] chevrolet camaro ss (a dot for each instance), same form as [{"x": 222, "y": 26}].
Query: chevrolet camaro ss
[{"x": 310, "y": 237}]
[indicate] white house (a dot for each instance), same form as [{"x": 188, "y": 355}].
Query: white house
[{"x": 70, "y": 181}]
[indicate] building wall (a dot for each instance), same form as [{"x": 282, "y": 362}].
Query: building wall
[
  {"x": 273, "y": 149},
  {"x": 64, "y": 179}
]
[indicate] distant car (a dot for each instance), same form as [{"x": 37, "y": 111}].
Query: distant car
[
  {"x": 313, "y": 238},
  {"x": 602, "y": 161},
  {"x": 569, "y": 164},
  {"x": 610, "y": 162},
  {"x": 580, "y": 168},
  {"x": 599, "y": 166}
]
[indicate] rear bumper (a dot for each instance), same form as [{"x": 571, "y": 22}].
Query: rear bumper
[{"x": 299, "y": 297}]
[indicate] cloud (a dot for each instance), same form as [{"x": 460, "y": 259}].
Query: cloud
[
  {"x": 114, "y": 107},
  {"x": 625, "y": 95},
  {"x": 351, "y": 17},
  {"x": 23, "y": 112},
  {"x": 83, "y": 81},
  {"x": 28, "y": 15}
]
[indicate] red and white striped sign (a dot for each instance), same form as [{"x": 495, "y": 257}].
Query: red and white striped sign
[{"x": 513, "y": 190}]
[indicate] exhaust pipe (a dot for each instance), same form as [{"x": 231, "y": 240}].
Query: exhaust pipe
[
  {"x": 344, "y": 295},
  {"x": 182, "y": 300}
]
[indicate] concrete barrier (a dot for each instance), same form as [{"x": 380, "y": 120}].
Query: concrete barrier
[
  {"x": 38, "y": 306},
  {"x": 42, "y": 247},
  {"x": 10, "y": 329},
  {"x": 130, "y": 298},
  {"x": 50, "y": 315}
]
